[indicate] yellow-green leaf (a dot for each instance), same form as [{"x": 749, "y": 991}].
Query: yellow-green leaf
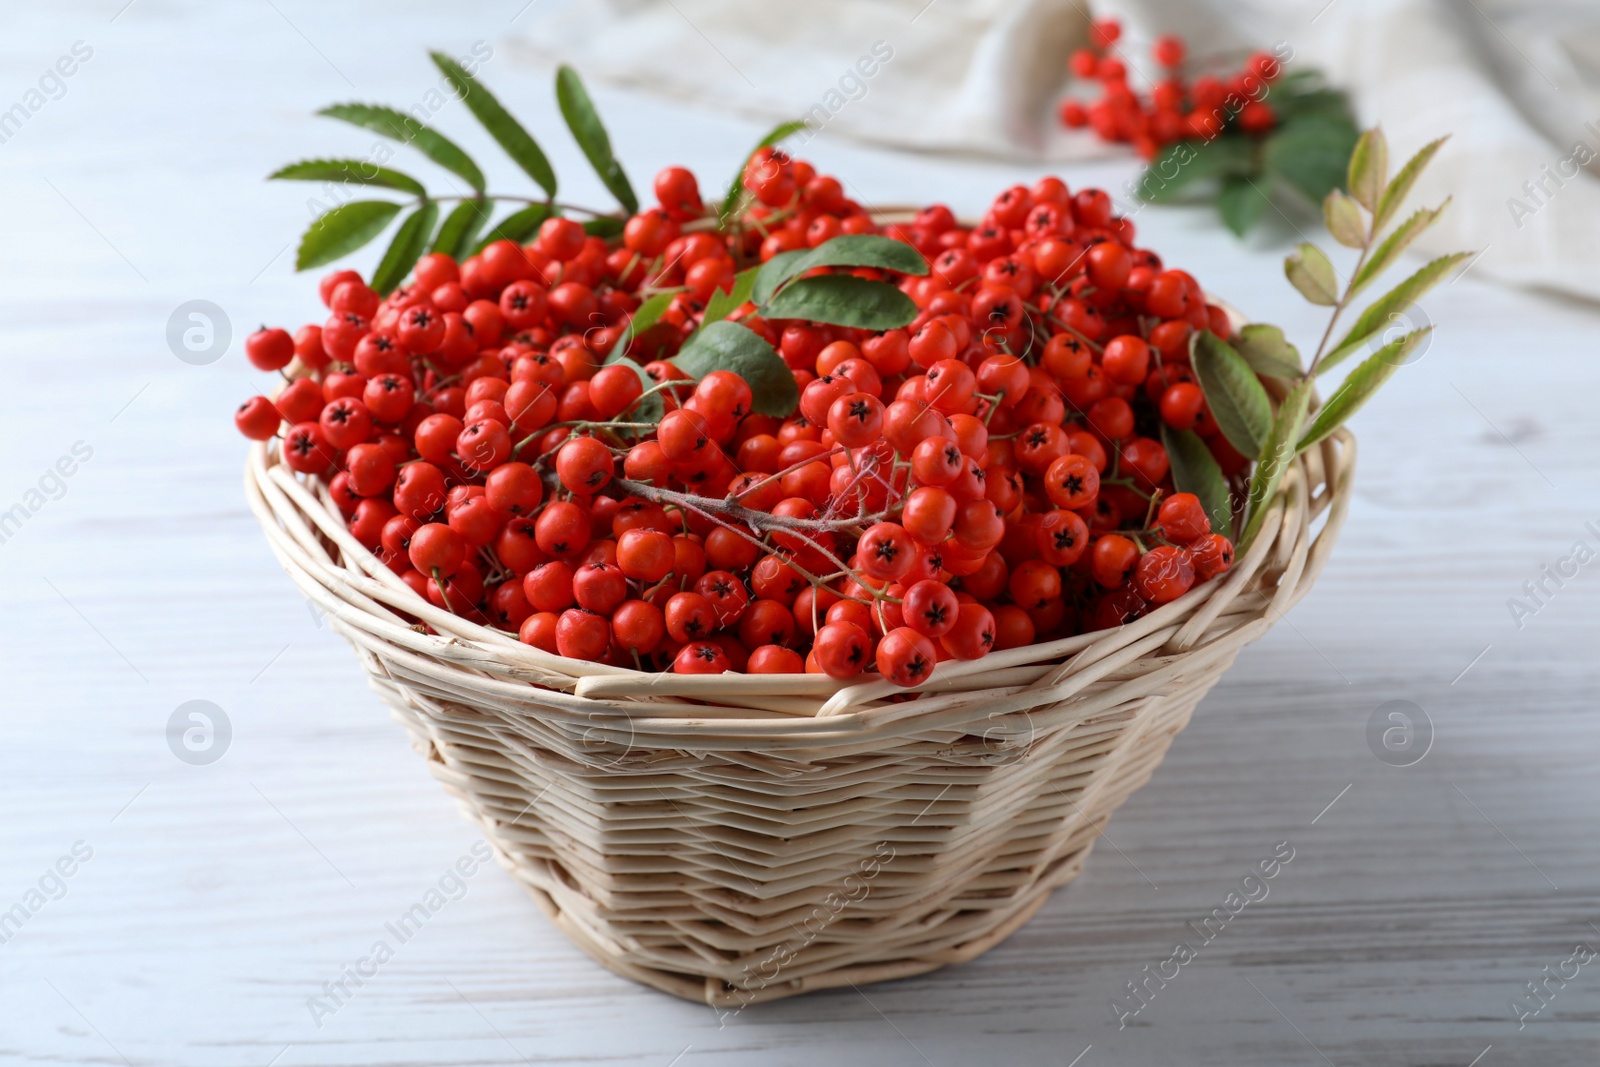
[
  {"x": 1358, "y": 387},
  {"x": 1383, "y": 310},
  {"x": 1395, "y": 193},
  {"x": 1384, "y": 256},
  {"x": 1369, "y": 169},
  {"x": 1267, "y": 352},
  {"x": 1276, "y": 456},
  {"x": 1309, "y": 270},
  {"x": 1343, "y": 218}
]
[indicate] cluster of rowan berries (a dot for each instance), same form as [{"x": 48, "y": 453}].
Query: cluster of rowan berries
[
  {"x": 986, "y": 477},
  {"x": 1173, "y": 109}
]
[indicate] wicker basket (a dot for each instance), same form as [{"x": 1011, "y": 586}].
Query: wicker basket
[{"x": 740, "y": 838}]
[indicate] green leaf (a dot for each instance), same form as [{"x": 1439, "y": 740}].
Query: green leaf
[
  {"x": 461, "y": 227},
  {"x": 410, "y": 241},
  {"x": 590, "y": 133},
  {"x": 604, "y": 226},
  {"x": 1369, "y": 169},
  {"x": 1309, "y": 270},
  {"x": 1397, "y": 242},
  {"x": 729, "y": 346},
  {"x": 781, "y": 132},
  {"x": 518, "y": 226},
  {"x": 1241, "y": 203},
  {"x": 1342, "y": 215},
  {"x": 1236, "y": 396},
  {"x": 1386, "y": 307},
  {"x": 1312, "y": 103},
  {"x": 1276, "y": 455},
  {"x": 354, "y": 171},
  {"x": 850, "y": 250},
  {"x": 648, "y": 314},
  {"x": 1397, "y": 190},
  {"x": 842, "y": 300},
  {"x": 724, "y": 301},
  {"x": 1184, "y": 163},
  {"x": 1195, "y": 470},
  {"x": 1359, "y": 385},
  {"x": 1264, "y": 348},
  {"x": 1304, "y": 93},
  {"x": 398, "y": 126},
  {"x": 343, "y": 230},
  {"x": 1310, "y": 154},
  {"x": 516, "y": 141}
]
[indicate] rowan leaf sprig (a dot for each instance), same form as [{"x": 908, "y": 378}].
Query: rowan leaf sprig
[{"x": 1358, "y": 216}]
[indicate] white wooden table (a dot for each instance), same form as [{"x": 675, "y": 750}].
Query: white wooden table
[{"x": 217, "y": 899}]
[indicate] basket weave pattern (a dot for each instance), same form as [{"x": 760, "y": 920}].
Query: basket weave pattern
[{"x": 733, "y": 839}]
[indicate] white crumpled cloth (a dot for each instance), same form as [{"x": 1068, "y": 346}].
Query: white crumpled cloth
[{"x": 1516, "y": 84}]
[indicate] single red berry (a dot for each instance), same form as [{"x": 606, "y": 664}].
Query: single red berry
[
  {"x": 1112, "y": 559},
  {"x": 371, "y": 468},
  {"x": 886, "y": 551},
  {"x": 548, "y": 587},
  {"x": 1071, "y": 482},
  {"x": 856, "y": 419},
  {"x": 690, "y": 617},
  {"x": 563, "y": 528},
  {"x": 483, "y": 445},
  {"x": 645, "y": 555},
  {"x": 1163, "y": 574},
  {"x": 1181, "y": 405},
  {"x": 582, "y": 634},
  {"x": 437, "y": 549},
  {"x": 599, "y": 587},
  {"x": 422, "y": 330},
  {"x": 725, "y": 593},
  {"x": 638, "y": 626},
  {"x": 514, "y": 489},
  {"x": 1126, "y": 359},
  {"x": 257, "y": 419},
  {"x": 1183, "y": 518},
  {"x": 842, "y": 649},
  {"x": 1212, "y": 555},
  {"x": 306, "y": 450},
  {"x": 775, "y": 659},
  {"x": 269, "y": 349},
  {"x": 1169, "y": 50},
  {"x": 906, "y": 657},
  {"x": 973, "y": 635},
  {"x": 584, "y": 465},
  {"x": 701, "y": 657},
  {"x": 930, "y": 608}
]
